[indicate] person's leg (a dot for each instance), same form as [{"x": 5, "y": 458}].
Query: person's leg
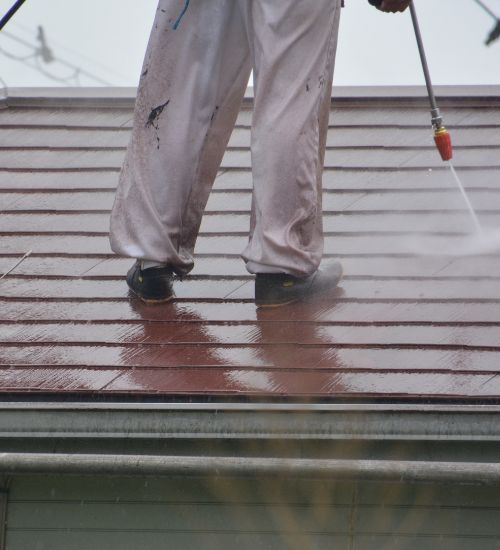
[
  {"x": 190, "y": 92},
  {"x": 293, "y": 46}
]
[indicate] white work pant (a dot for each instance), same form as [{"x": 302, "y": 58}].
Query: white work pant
[{"x": 190, "y": 93}]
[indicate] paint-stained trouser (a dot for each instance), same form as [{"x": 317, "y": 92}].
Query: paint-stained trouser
[{"x": 190, "y": 93}]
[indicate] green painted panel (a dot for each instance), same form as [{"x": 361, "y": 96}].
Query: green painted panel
[
  {"x": 178, "y": 490},
  {"x": 397, "y": 542},
  {"x": 39, "y": 540},
  {"x": 77, "y": 513},
  {"x": 196, "y": 516},
  {"x": 431, "y": 519},
  {"x": 467, "y": 496}
]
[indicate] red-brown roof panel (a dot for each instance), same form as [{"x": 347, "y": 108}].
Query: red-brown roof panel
[{"x": 413, "y": 318}]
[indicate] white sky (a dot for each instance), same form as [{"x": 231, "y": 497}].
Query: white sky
[{"x": 108, "y": 37}]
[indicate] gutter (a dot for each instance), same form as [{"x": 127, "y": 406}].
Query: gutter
[
  {"x": 158, "y": 466},
  {"x": 42, "y": 422}
]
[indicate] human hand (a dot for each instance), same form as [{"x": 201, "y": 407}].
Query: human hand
[{"x": 394, "y": 6}]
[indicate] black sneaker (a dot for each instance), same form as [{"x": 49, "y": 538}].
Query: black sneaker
[
  {"x": 279, "y": 289},
  {"x": 152, "y": 285}
]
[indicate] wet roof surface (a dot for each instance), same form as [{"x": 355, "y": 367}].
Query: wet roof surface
[{"x": 402, "y": 325}]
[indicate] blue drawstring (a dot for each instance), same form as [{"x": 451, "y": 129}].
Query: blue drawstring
[{"x": 176, "y": 24}]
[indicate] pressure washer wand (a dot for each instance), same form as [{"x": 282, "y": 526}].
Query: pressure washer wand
[
  {"x": 442, "y": 137},
  {"x": 7, "y": 17}
]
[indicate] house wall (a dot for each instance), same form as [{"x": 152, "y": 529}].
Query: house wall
[{"x": 82, "y": 513}]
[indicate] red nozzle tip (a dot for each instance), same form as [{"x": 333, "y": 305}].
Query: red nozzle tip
[{"x": 443, "y": 143}]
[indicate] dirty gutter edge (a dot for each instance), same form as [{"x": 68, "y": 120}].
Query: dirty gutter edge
[
  {"x": 39, "y": 422},
  {"x": 148, "y": 465}
]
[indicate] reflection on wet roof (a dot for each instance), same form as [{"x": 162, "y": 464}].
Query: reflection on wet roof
[{"x": 413, "y": 318}]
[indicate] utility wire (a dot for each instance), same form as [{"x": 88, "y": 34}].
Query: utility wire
[
  {"x": 15, "y": 57},
  {"x": 495, "y": 32},
  {"x": 74, "y": 52},
  {"x": 486, "y": 9},
  {"x": 62, "y": 80},
  {"x": 37, "y": 67},
  {"x": 36, "y": 52}
]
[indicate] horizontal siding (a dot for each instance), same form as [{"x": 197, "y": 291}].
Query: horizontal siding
[
  {"x": 170, "y": 541},
  {"x": 55, "y": 513}
]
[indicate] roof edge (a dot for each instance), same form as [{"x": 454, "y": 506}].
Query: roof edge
[
  {"x": 123, "y": 97},
  {"x": 413, "y": 471}
]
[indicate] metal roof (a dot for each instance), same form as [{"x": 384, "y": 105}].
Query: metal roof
[{"x": 403, "y": 325}]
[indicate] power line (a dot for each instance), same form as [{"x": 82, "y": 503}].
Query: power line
[
  {"x": 486, "y": 9},
  {"x": 15, "y": 57},
  {"x": 36, "y": 66},
  {"x": 74, "y": 52},
  {"x": 39, "y": 51},
  {"x": 495, "y": 32}
]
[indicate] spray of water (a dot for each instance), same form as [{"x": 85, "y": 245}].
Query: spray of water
[
  {"x": 479, "y": 242},
  {"x": 459, "y": 183}
]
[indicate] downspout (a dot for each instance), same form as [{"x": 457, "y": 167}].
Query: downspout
[{"x": 150, "y": 465}]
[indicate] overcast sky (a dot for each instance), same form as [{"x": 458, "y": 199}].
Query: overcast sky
[{"x": 107, "y": 39}]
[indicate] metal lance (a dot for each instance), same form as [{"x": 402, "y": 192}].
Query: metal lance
[
  {"x": 442, "y": 137},
  {"x": 8, "y": 16}
]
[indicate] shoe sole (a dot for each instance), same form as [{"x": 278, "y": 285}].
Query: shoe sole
[
  {"x": 302, "y": 298},
  {"x": 151, "y": 301},
  {"x": 281, "y": 304}
]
